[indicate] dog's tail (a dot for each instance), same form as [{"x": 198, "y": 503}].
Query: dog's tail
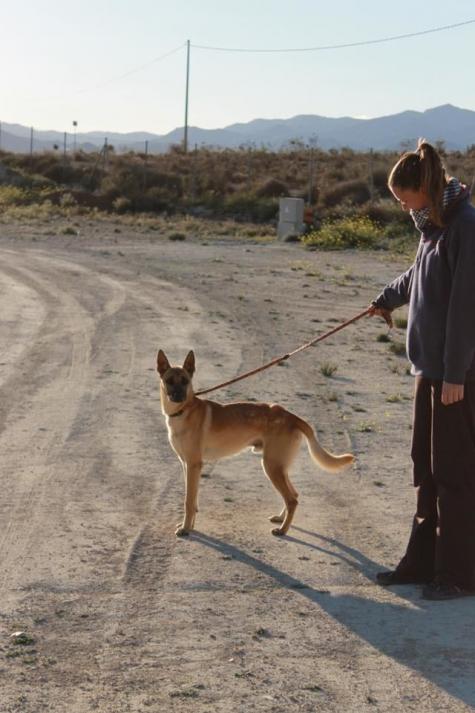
[{"x": 323, "y": 458}]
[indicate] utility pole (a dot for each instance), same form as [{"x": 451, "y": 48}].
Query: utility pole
[
  {"x": 31, "y": 142},
  {"x": 371, "y": 177},
  {"x": 311, "y": 168},
  {"x": 106, "y": 153},
  {"x": 249, "y": 167},
  {"x": 185, "y": 137},
  {"x": 193, "y": 175},
  {"x": 145, "y": 166},
  {"x": 75, "y": 125}
]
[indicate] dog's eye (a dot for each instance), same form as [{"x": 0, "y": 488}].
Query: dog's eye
[{"x": 184, "y": 382}]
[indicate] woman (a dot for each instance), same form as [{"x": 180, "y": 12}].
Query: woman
[{"x": 440, "y": 290}]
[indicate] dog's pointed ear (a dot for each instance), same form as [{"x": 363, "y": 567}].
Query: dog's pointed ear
[
  {"x": 189, "y": 363},
  {"x": 162, "y": 363}
]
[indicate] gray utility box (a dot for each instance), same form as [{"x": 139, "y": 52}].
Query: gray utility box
[{"x": 290, "y": 217}]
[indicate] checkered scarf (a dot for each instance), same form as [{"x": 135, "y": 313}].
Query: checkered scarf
[{"x": 421, "y": 218}]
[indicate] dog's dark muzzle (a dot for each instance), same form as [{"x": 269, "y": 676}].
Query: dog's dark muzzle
[{"x": 177, "y": 396}]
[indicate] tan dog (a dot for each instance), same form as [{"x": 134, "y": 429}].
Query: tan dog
[{"x": 200, "y": 430}]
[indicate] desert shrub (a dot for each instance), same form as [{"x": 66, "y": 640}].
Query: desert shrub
[
  {"x": 248, "y": 206},
  {"x": 14, "y": 195},
  {"x": 385, "y": 212},
  {"x": 148, "y": 190},
  {"x": 41, "y": 163},
  {"x": 81, "y": 157},
  {"x": 60, "y": 172},
  {"x": 240, "y": 177},
  {"x": 380, "y": 182},
  {"x": 272, "y": 188},
  {"x": 355, "y": 192},
  {"x": 345, "y": 233},
  {"x": 394, "y": 231},
  {"x": 122, "y": 182},
  {"x": 335, "y": 175},
  {"x": 170, "y": 184},
  {"x": 122, "y": 204},
  {"x": 37, "y": 182},
  {"x": 67, "y": 200},
  {"x": 157, "y": 199},
  {"x": 398, "y": 348},
  {"x": 328, "y": 369},
  {"x": 43, "y": 211}
]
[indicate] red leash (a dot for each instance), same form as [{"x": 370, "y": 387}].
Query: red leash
[{"x": 286, "y": 356}]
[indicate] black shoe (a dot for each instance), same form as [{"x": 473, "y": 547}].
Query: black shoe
[
  {"x": 386, "y": 579},
  {"x": 439, "y": 592}
]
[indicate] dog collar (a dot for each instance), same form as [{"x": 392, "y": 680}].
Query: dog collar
[{"x": 178, "y": 413}]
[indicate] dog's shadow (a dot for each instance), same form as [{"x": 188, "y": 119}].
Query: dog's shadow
[{"x": 428, "y": 637}]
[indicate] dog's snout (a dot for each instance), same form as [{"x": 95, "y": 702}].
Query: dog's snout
[
  {"x": 177, "y": 395},
  {"x": 176, "y": 385}
]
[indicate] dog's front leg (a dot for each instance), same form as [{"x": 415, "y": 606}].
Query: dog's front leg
[{"x": 192, "y": 473}]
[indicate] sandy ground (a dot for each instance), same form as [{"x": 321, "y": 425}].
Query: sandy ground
[{"x": 119, "y": 614}]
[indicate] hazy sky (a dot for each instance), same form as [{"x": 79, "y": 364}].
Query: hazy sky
[{"x": 61, "y": 61}]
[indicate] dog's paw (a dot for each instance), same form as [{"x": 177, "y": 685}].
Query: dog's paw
[
  {"x": 278, "y": 532},
  {"x": 181, "y": 531},
  {"x": 276, "y": 518}
]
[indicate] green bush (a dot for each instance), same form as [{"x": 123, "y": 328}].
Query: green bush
[{"x": 345, "y": 233}]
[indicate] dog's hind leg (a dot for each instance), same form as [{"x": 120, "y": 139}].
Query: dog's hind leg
[
  {"x": 192, "y": 482},
  {"x": 279, "y": 479},
  {"x": 281, "y": 516}
]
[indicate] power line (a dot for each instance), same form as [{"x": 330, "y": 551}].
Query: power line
[
  {"x": 339, "y": 46},
  {"x": 133, "y": 71}
]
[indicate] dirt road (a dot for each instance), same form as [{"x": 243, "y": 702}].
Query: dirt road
[{"x": 120, "y": 615}]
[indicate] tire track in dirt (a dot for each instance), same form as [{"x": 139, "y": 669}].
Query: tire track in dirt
[
  {"x": 47, "y": 396},
  {"x": 30, "y": 483},
  {"x": 150, "y": 551}
]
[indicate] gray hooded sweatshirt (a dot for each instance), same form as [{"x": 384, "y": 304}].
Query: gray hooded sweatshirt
[{"x": 440, "y": 290}]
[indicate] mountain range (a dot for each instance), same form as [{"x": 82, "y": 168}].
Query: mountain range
[{"x": 450, "y": 124}]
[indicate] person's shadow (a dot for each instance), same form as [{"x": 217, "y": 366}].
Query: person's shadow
[{"x": 433, "y": 638}]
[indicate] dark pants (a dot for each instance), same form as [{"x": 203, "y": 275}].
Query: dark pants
[{"x": 442, "y": 541}]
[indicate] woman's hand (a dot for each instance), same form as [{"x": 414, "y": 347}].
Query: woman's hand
[
  {"x": 451, "y": 393},
  {"x": 381, "y": 312}
]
